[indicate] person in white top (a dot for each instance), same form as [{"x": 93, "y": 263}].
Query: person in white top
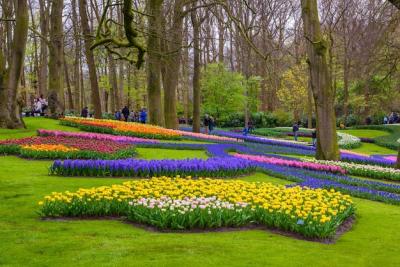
[
  {"x": 44, "y": 103},
  {"x": 38, "y": 107}
]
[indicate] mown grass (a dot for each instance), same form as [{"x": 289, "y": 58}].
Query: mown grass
[
  {"x": 365, "y": 133},
  {"x": 26, "y": 240},
  {"x": 161, "y": 153},
  {"x": 370, "y": 149},
  {"x": 33, "y": 124}
]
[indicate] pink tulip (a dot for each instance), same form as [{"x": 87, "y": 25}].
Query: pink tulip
[{"x": 292, "y": 163}]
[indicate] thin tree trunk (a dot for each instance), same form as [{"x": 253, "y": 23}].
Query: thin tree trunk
[
  {"x": 154, "y": 62},
  {"x": 69, "y": 91},
  {"x": 321, "y": 83},
  {"x": 196, "y": 72},
  {"x": 90, "y": 59},
  {"x": 44, "y": 31},
  {"x": 77, "y": 49},
  {"x": 113, "y": 84}
]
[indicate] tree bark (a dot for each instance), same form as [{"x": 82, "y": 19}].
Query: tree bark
[
  {"x": 90, "y": 59},
  {"x": 154, "y": 63},
  {"x": 173, "y": 61},
  {"x": 69, "y": 91},
  {"x": 56, "y": 92},
  {"x": 113, "y": 84},
  {"x": 75, "y": 26},
  {"x": 196, "y": 71},
  {"x": 321, "y": 83},
  {"x": 10, "y": 116},
  {"x": 44, "y": 54}
]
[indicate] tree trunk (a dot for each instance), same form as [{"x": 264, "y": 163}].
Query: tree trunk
[
  {"x": 77, "y": 49},
  {"x": 173, "y": 61},
  {"x": 309, "y": 105},
  {"x": 196, "y": 72},
  {"x": 90, "y": 59},
  {"x": 398, "y": 160},
  {"x": 113, "y": 84},
  {"x": 10, "y": 78},
  {"x": 44, "y": 31},
  {"x": 56, "y": 92},
  {"x": 69, "y": 91},
  {"x": 321, "y": 83},
  {"x": 154, "y": 62}
]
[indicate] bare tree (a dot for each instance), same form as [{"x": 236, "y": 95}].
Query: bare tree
[{"x": 321, "y": 83}]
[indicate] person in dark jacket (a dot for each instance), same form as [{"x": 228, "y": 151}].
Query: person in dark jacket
[
  {"x": 143, "y": 115},
  {"x": 125, "y": 112},
  {"x": 314, "y": 137},
  {"x": 206, "y": 123},
  {"x": 211, "y": 124},
  {"x": 295, "y": 129},
  {"x": 85, "y": 112}
]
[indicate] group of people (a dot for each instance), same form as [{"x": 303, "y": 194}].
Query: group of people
[
  {"x": 392, "y": 118},
  {"x": 39, "y": 106},
  {"x": 135, "y": 116}
]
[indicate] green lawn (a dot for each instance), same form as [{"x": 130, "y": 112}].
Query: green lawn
[
  {"x": 33, "y": 124},
  {"x": 370, "y": 149},
  {"x": 27, "y": 240},
  {"x": 365, "y": 133},
  {"x": 161, "y": 153}
]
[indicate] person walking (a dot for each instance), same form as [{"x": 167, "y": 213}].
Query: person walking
[
  {"x": 125, "y": 112},
  {"x": 295, "y": 130},
  {"x": 143, "y": 115},
  {"x": 211, "y": 124},
  {"x": 314, "y": 137},
  {"x": 251, "y": 125},
  {"x": 85, "y": 112},
  {"x": 385, "y": 120},
  {"x": 206, "y": 123}
]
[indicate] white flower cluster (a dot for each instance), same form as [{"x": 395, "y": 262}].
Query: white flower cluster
[
  {"x": 348, "y": 140},
  {"x": 187, "y": 204},
  {"x": 363, "y": 170}
]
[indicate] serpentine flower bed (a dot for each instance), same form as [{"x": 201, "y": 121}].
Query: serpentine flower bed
[
  {"x": 376, "y": 172},
  {"x": 177, "y": 204},
  {"x": 138, "y": 130},
  {"x": 66, "y": 147},
  {"x": 212, "y": 167}
]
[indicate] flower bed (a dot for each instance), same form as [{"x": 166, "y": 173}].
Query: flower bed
[
  {"x": 212, "y": 167},
  {"x": 96, "y": 136},
  {"x": 376, "y": 172},
  {"x": 348, "y": 141},
  {"x": 60, "y": 147},
  {"x": 365, "y": 159},
  {"x": 121, "y": 128},
  {"x": 175, "y": 203},
  {"x": 138, "y": 129},
  {"x": 293, "y": 163}
]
